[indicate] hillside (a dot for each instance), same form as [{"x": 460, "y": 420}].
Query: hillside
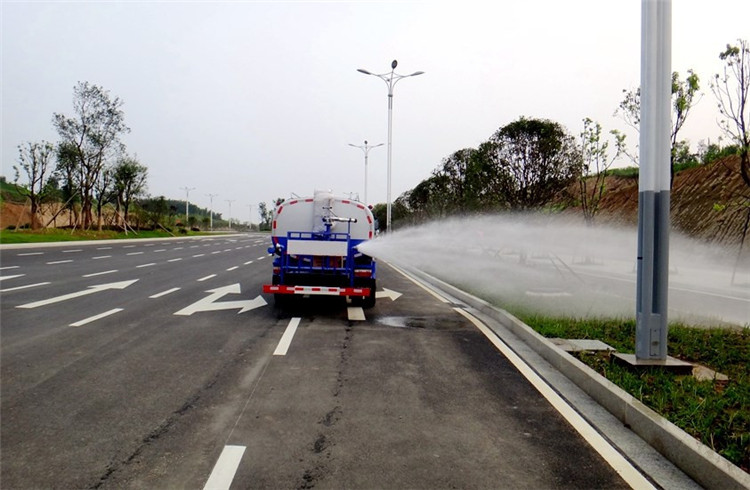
[{"x": 708, "y": 202}]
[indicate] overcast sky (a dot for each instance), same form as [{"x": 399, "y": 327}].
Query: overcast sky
[{"x": 257, "y": 100}]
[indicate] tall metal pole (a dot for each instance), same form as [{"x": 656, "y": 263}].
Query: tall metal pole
[
  {"x": 230, "y": 201},
  {"x": 250, "y": 212},
  {"x": 187, "y": 201},
  {"x": 366, "y": 148},
  {"x": 654, "y": 181},
  {"x": 390, "y": 80},
  {"x": 211, "y": 211}
]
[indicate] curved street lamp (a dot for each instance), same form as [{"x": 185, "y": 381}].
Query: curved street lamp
[
  {"x": 366, "y": 148},
  {"x": 390, "y": 80}
]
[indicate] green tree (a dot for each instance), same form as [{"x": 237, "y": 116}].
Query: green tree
[
  {"x": 538, "y": 159},
  {"x": 129, "y": 183},
  {"x": 91, "y": 138},
  {"x": 35, "y": 160},
  {"x": 685, "y": 94}
]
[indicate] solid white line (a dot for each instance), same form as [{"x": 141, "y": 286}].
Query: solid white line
[
  {"x": 164, "y": 293},
  {"x": 55, "y": 262},
  {"x": 99, "y": 273},
  {"x": 30, "y": 253},
  {"x": 225, "y": 468},
  {"x": 9, "y": 267},
  {"x": 175, "y": 260},
  {"x": 286, "y": 339},
  {"x": 134, "y": 253},
  {"x": 95, "y": 317},
  {"x": 616, "y": 460},
  {"x": 206, "y": 278},
  {"x": 356, "y": 313},
  {"x": 145, "y": 265},
  {"x": 24, "y": 287},
  {"x": 101, "y": 257},
  {"x": 11, "y": 277},
  {"x": 233, "y": 268}
]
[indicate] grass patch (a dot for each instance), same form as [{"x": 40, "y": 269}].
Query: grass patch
[
  {"x": 62, "y": 235},
  {"x": 716, "y": 413}
]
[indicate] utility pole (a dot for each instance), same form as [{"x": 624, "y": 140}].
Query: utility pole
[
  {"x": 250, "y": 223},
  {"x": 230, "y": 201},
  {"x": 187, "y": 202},
  {"x": 211, "y": 210}
]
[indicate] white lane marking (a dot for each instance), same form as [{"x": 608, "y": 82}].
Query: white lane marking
[
  {"x": 55, "y": 262},
  {"x": 102, "y": 257},
  {"x": 178, "y": 248},
  {"x": 134, "y": 253},
  {"x": 356, "y": 313},
  {"x": 8, "y": 267},
  {"x": 99, "y": 273},
  {"x": 388, "y": 293},
  {"x": 286, "y": 339},
  {"x": 616, "y": 460},
  {"x": 206, "y": 278},
  {"x": 164, "y": 293},
  {"x": 175, "y": 260},
  {"x": 104, "y": 248},
  {"x": 261, "y": 257},
  {"x": 24, "y": 287},
  {"x": 149, "y": 245},
  {"x": 145, "y": 265},
  {"x": 211, "y": 303},
  {"x": 11, "y": 277},
  {"x": 72, "y": 251},
  {"x": 160, "y": 250},
  {"x": 248, "y": 262},
  {"x": 228, "y": 250},
  {"x": 85, "y": 292},
  {"x": 233, "y": 268},
  {"x": 238, "y": 248},
  {"x": 30, "y": 253},
  {"x": 216, "y": 252},
  {"x": 193, "y": 246},
  {"x": 198, "y": 255},
  {"x": 95, "y": 317},
  {"x": 129, "y": 246},
  {"x": 225, "y": 468}
]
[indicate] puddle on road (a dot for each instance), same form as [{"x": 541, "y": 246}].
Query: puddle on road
[{"x": 426, "y": 322}]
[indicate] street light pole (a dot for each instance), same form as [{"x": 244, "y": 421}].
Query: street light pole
[
  {"x": 366, "y": 148},
  {"x": 187, "y": 201},
  {"x": 211, "y": 211},
  {"x": 250, "y": 223},
  {"x": 390, "y": 80},
  {"x": 230, "y": 201}
]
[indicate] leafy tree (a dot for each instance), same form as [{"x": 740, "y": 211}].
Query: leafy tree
[
  {"x": 102, "y": 192},
  {"x": 538, "y": 159},
  {"x": 265, "y": 216},
  {"x": 129, "y": 183},
  {"x": 90, "y": 138},
  {"x": 35, "y": 161},
  {"x": 731, "y": 90},
  {"x": 684, "y": 93},
  {"x": 594, "y": 165}
]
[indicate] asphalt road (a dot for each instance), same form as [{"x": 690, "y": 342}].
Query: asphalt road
[{"x": 158, "y": 364}]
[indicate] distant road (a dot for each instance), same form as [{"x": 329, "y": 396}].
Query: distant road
[{"x": 160, "y": 364}]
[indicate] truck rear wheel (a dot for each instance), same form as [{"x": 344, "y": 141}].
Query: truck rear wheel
[{"x": 369, "y": 301}]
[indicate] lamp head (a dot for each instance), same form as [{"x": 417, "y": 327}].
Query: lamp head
[
  {"x": 394, "y": 64},
  {"x": 364, "y": 71}
]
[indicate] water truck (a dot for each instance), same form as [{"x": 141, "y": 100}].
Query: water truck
[{"x": 314, "y": 241}]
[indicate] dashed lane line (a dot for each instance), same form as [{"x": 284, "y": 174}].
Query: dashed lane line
[
  {"x": 134, "y": 253},
  {"x": 225, "y": 468},
  {"x": 72, "y": 251},
  {"x": 102, "y": 257},
  {"x": 150, "y": 264},
  {"x": 55, "y": 262},
  {"x": 99, "y": 273},
  {"x": 164, "y": 293},
  {"x": 28, "y": 254},
  {"x": 95, "y": 317},
  {"x": 233, "y": 268},
  {"x": 27, "y": 286},
  {"x": 206, "y": 278},
  {"x": 286, "y": 339},
  {"x": 8, "y": 267},
  {"x": 11, "y": 277},
  {"x": 175, "y": 260}
]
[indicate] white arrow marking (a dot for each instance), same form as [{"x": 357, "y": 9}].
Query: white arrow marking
[
  {"x": 209, "y": 302},
  {"x": 90, "y": 290},
  {"x": 387, "y": 293}
]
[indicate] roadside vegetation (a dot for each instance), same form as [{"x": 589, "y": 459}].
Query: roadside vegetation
[
  {"x": 63, "y": 235},
  {"x": 715, "y": 412}
]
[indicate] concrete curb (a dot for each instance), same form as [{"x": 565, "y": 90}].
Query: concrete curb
[{"x": 695, "y": 459}]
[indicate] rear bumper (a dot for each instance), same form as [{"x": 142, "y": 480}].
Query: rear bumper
[{"x": 315, "y": 290}]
